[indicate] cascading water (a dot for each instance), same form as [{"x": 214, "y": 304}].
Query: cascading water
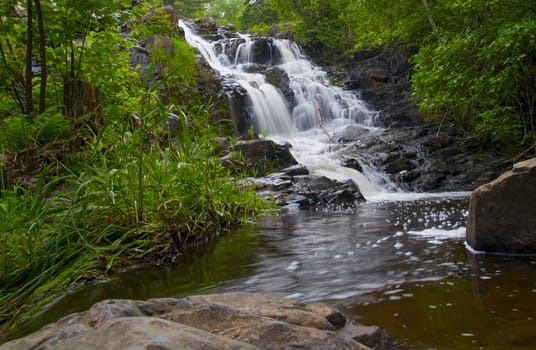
[{"x": 315, "y": 111}]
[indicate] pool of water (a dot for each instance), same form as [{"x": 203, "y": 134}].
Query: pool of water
[{"x": 400, "y": 265}]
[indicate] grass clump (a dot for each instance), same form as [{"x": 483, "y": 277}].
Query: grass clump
[{"x": 138, "y": 194}]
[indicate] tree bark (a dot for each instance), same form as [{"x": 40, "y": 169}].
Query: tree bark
[
  {"x": 29, "y": 49},
  {"x": 42, "y": 57},
  {"x": 81, "y": 101}
]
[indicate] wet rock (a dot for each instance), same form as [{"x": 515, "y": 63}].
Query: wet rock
[
  {"x": 222, "y": 321},
  {"x": 310, "y": 191},
  {"x": 382, "y": 76},
  {"x": 351, "y": 133},
  {"x": 418, "y": 158},
  {"x": 279, "y": 78},
  {"x": 502, "y": 215},
  {"x": 236, "y": 97},
  {"x": 231, "y": 47},
  {"x": 353, "y": 163},
  {"x": 372, "y": 336},
  {"x": 398, "y": 165},
  {"x": 296, "y": 170},
  {"x": 261, "y": 51},
  {"x": 259, "y": 157}
]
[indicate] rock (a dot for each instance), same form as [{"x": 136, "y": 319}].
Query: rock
[
  {"x": 224, "y": 321},
  {"x": 502, "y": 214},
  {"x": 205, "y": 25},
  {"x": 279, "y": 78},
  {"x": 261, "y": 51},
  {"x": 164, "y": 42},
  {"x": 259, "y": 157},
  {"x": 350, "y": 133},
  {"x": 418, "y": 158},
  {"x": 311, "y": 191},
  {"x": 383, "y": 78},
  {"x": 140, "y": 59},
  {"x": 376, "y": 338}
]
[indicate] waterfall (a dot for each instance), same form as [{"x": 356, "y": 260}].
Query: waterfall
[{"x": 314, "y": 112}]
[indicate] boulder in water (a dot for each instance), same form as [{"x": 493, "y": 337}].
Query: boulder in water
[
  {"x": 279, "y": 78},
  {"x": 502, "y": 214}
]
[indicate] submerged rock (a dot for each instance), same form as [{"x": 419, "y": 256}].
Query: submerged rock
[
  {"x": 223, "y": 321},
  {"x": 502, "y": 214}
]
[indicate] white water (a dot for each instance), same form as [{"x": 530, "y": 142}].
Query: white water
[{"x": 319, "y": 109}]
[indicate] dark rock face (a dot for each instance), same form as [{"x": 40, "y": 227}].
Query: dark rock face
[
  {"x": 259, "y": 157},
  {"x": 382, "y": 76},
  {"x": 502, "y": 214},
  {"x": 261, "y": 51},
  {"x": 295, "y": 187},
  {"x": 279, "y": 78},
  {"x": 224, "y": 321},
  {"x": 417, "y": 158}
]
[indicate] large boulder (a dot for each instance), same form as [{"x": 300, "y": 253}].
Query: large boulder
[
  {"x": 258, "y": 157},
  {"x": 502, "y": 214},
  {"x": 224, "y": 321}
]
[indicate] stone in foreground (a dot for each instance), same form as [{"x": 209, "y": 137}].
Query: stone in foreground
[
  {"x": 502, "y": 214},
  {"x": 224, "y": 321}
]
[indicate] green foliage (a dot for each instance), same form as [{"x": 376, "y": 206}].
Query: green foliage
[
  {"x": 18, "y": 132},
  {"x": 226, "y": 11},
  {"x": 475, "y": 64},
  {"x": 190, "y": 8},
  {"x": 179, "y": 65},
  {"x": 152, "y": 20},
  {"x": 131, "y": 199},
  {"x": 137, "y": 189},
  {"x": 478, "y": 75},
  {"x": 259, "y": 15}
]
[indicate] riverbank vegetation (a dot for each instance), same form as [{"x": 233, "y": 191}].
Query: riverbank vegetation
[
  {"x": 101, "y": 166},
  {"x": 474, "y": 64}
]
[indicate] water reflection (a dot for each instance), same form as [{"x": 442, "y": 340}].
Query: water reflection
[{"x": 400, "y": 265}]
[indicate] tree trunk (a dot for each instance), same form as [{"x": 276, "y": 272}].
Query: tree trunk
[
  {"x": 42, "y": 57},
  {"x": 81, "y": 101},
  {"x": 29, "y": 49},
  {"x": 17, "y": 82}
]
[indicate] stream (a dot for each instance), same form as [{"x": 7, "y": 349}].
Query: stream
[
  {"x": 401, "y": 265},
  {"x": 398, "y": 261}
]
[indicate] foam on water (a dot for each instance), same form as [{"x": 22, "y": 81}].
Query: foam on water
[{"x": 440, "y": 234}]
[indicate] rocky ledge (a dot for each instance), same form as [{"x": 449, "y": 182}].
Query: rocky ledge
[{"x": 223, "y": 321}]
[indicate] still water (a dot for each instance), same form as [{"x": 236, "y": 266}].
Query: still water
[{"x": 400, "y": 265}]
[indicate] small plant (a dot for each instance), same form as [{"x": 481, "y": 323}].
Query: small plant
[{"x": 251, "y": 132}]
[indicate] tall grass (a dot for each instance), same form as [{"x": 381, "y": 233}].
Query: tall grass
[{"x": 138, "y": 195}]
